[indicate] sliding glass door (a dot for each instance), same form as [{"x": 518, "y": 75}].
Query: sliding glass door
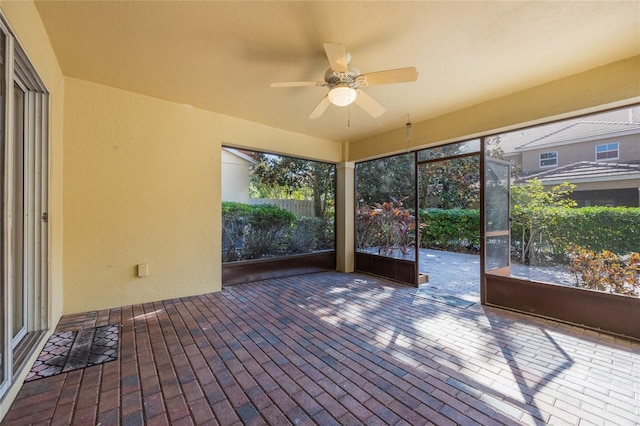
[
  {"x": 24, "y": 179},
  {"x": 18, "y": 284}
]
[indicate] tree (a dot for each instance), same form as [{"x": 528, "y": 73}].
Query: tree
[
  {"x": 452, "y": 182},
  {"x": 275, "y": 176},
  {"x": 455, "y": 182},
  {"x": 529, "y": 203},
  {"x": 386, "y": 179}
]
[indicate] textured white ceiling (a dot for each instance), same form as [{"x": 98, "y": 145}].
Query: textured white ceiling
[{"x": 222, "y": 56}]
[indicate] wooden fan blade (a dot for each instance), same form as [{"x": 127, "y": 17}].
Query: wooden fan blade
[
  {"x": 399, "y": 75},
  {"x": 337, "y": 56},
  {"x": 298, "y": 83},
  {"x": 369, "y": 104},
  {"x": 322, "y": 106}
]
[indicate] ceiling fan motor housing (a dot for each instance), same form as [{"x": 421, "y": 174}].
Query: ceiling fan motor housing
[{"x": 333, "y": 78}]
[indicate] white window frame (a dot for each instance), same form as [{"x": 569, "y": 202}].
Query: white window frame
[
  {"x": 540, "y": 159},
  {"x": 34, "y": 183},
  {"x": 606, "y": 145}
]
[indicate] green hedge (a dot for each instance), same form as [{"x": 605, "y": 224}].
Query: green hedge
[
  {"x": 616, "y": 229},
  {"x": 269, "y": 226},
  {"x": 254, "y": 231},
  {"x": 265, "y": 230},
  {"x": 234, "y": 218},
  {"x": 451, "y": 229}
]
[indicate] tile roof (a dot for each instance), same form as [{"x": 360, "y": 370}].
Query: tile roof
[
  {"x": 619, "y": 121},
  {"x": 588, "y": 171},
  {"x": 580, "y": 131},
  {"x": 240, "y": 153}
]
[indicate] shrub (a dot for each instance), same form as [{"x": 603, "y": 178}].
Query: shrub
[
  {"x": 365, "y": 227},
  {"x": 387, "y": 227},
  {"x": 531, "y": 205},
  {"x": 605, "y": 271},
  {"x": 258, "y": 231},
  {"x": 234, "y": 218},
  {"x": 453, "y": 229},
  {"x": 310, "y": 234},
  {"x": 326, "y": 234},
  {"x": 253, "y": 231},
  {"x": 616, "y": 229},
  {"x": 268, "y": 226}
]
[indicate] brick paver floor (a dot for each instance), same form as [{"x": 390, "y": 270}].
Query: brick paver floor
[{"x": 334, "y": 348}]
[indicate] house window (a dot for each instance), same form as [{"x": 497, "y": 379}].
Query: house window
[
  {"x": 549, "y": 159},
  {"x": 607, "y": 151},
  {"x": 24, "y": 159}
]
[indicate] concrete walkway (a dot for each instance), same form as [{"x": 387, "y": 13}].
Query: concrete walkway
[{"x": 458, "y": 274}]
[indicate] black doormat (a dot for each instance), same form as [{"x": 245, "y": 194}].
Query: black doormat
[
  {"x": 72, "y": 350},
  {"x": 444, "y": 298}
]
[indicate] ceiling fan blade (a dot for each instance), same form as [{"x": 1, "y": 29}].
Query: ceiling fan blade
[
  {"x": 298, "y": 83},
  {"x": 322, "y": 106},
  {"x": 399, "y": 75},
  {"x": 369, "y": 104},
  {"x": 337, "y": 56}
]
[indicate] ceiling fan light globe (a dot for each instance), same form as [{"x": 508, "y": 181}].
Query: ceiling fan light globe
[{"x": 342, "y": 95}]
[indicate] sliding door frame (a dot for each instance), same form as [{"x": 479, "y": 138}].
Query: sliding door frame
[{"x": 25, "y": 201}]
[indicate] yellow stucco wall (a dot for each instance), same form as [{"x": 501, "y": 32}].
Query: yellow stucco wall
[
  {"x": 143, "y": 185},
  {"x": 612, "y": 85}
]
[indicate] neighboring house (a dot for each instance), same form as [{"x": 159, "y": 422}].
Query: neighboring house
[
  {"x": 235, "y": 175},
  {"x": 601, "y": 156}
]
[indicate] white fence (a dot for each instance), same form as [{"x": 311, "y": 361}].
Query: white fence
[{"x": 297, "y": 207}]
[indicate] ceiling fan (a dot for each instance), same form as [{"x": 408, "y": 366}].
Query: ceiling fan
[{"x": 345, "y": 82}]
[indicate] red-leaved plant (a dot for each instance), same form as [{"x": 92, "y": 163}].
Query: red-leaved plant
[
  {"x": 605, "y": 271},
  {"x": 387, "y": 226}
]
